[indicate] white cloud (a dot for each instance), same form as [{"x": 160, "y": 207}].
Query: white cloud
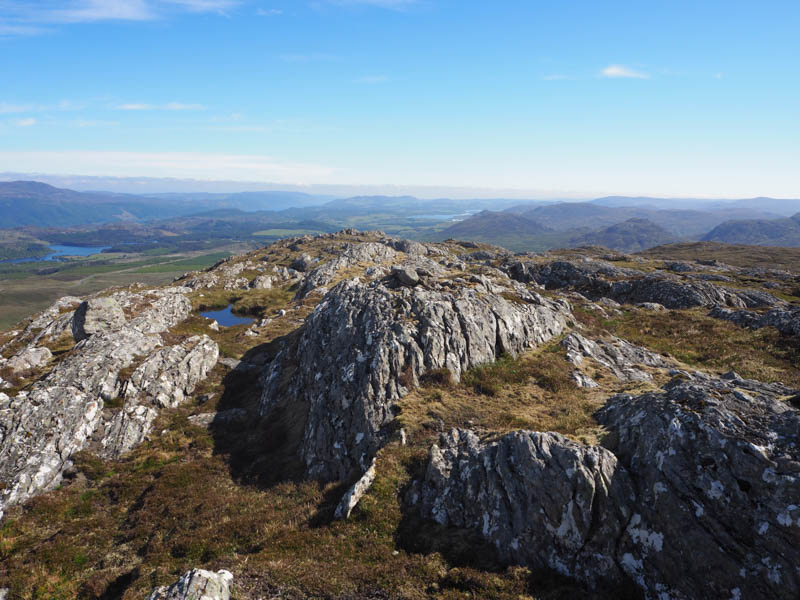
[
  {"x": 183, "y": 106},
  {"x": 310, "y": 57},
  {"x": 269, "y": 12},
  {"x": 622, "y": 72},
  {"x": 29, "y": 122},
  {"x": 88, "y": 11},
  {"x": 194, "y": 165},
  {"x": 556, "y": 77},
  {"x": 372, "y": 79},
  {"x": 218, "y": 6},
  {"x": 718, "y": 75},
  {"x": 93, "y": 123},
  {"x": 135, "y": 106}
]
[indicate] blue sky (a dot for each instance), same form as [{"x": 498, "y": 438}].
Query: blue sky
[{"x": 553, "y": 98}]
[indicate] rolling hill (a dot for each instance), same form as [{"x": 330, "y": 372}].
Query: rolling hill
[
  {"x": 758, "y": 232},
  {"x": 632, "y": 235}
]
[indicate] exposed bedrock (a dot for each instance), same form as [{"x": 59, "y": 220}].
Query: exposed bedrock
[
  {"x": 197, "y": 584},
  {"x": 597, "y": 279},
  {"x": 698, "y": 499},
  {"x": 63, "y": 411},
  {"x": 787, "y": 321},
  {"x": 365, "y": 345}
]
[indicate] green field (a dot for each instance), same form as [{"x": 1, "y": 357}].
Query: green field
[{"x": 25, "y": 288}]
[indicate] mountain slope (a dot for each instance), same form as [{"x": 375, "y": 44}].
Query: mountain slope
[
  {"x": 506, "y": 229},
  {"x": 629, "y": 236},
  {"x": 758, "y": 232}
]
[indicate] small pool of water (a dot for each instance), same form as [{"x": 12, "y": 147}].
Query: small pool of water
[
  {"x": 59, "y": 251},
  {"x": 226, "y": 318}
]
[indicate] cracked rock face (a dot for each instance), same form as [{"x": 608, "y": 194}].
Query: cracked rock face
[
  {"x": 622, "y": 358},
  {"x": 541, "y": 499},
  {"x": 716, "y": 466},
  {"x": 787, "y": 321},
  {"x": 698, "y": 499},
  {"x": 96, "y": 315},
  {"x": 41, "y": 428},
  {"x": 197, "y": 584},
  {"x": 365, "y": 345},
  {"x": 598, "y": 279}
]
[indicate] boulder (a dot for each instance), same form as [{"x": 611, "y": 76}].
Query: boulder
[
  {"x": 96, "y": 315},
  {"x": 302, "y": 263},
  {"x": 353, "y": 496},
  {"x": 29, "y": 358},
  {"x": 405, "y": 275},
  {"x": 261, "y": 282},
  {"x": 197, "y": 584}
]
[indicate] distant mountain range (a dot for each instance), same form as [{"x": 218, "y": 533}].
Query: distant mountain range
[{"x": 622, "y": 223}]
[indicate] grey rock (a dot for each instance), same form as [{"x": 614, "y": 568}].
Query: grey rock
[
  {"x": 698, "y": 499},
  {"x": 352, "y": 255},
  {"x": 541, "y": 499},
  {"x": 619, "y": 356},
  {"x": 405, "y": 275},
  {"x": 261, "y": 282},
  {"x": 221, "y": 418},
  {"x": 679, "y": 267},
  {"x": 708, "y": 460},
  {"x": 365, "y": 345},
  {"x": 197, "y": 584},
  {"x": 96, "y": 315},
  {"x": 303, "y": 263},
  {"x": 353, "y": 496},
  {"x": 654, "y": 306},
  {"x": 785, "y": 320},
  {"x": 29, "y": 358}
]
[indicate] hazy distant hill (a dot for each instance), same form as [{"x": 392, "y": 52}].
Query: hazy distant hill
[
  {"x": 681, "y": 223},
  {"x": 759, "y": 232},
  {"x": 509, "y": 230},
  {"x": 778, "y": 206},
  {"x": 632, "y": 235}
]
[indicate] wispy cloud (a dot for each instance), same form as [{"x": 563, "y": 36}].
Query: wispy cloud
[
  {"x": 718, "y": 75},
  {"x": 18, "y": 18},
  {"x": 556, "y": 77},
  {"x": 93, "y": 123},
  {"x": 269, "y": 12},
  {"x": 623, "y": 72},
  {"x": 29, "y": 122},
  {"x": 372, "y": 79},
  {"x": 168, "y": 106}
]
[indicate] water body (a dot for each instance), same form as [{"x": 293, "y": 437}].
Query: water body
[
  {"x": 226, "y": 318},
  {"x": 59, "y": 252}
]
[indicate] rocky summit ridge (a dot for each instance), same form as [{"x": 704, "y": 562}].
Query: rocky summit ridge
[{"x": 559, "y": 412}]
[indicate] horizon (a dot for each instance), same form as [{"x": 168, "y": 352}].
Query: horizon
[{"x": 524, "y": 102}]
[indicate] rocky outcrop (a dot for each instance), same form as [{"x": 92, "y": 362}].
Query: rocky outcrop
[
  {"x": 197, "y": 584},
  {"x": 716, "y": 471},
  {"x": 96, "y": 315},
  {"x": 623, "y": 359},
  {"x": 365, "y": 345},
  {"x": 597, "y": 279},
  {"x": 29, "y": 358},
  {"x": 698, "y": 499},
  {"x": 541, "y": 499},
  {"x": 787, "y": 321},
  {"x": 352, "y": 255},
  {"x": 42, "y": 427},
  {"x": 163, "y": 380}
]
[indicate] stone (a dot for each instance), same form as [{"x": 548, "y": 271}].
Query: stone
[
  {"x": 785, "y": 320},
  {"x": 405, "y": 275},
  {"x": 302, "y": 263},
  {"x": 29, "y": 358},
  {"x": 539, "y": 498},
  {"x": 365, "y": 345},
  {"x": 353, "y": 496},
  {"x": 261, "y": 282},
  {"x": 96, "y": 315},
  {"x": 619, "y": 356},
  {"x": 197, "y": 584}
]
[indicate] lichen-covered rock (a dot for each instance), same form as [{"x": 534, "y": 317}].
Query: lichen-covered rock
[
  {"x": 96, "y": 315},
  {"x": 787, "y": 321},
  {"x": 716, "y": 471},
  {"x": 541, "y": 499},
  {"x": 352, "y": 255},
  {"x": 353, "y": 495},
  {"x": 41, "y": 428},
  {"x": 622, "y": 358},
  {"x": 30, "y": 357},
  {"x": 597, "y": 279},
  {"x": 261, "y": 282},
  {"x": 698, "y": 499},
  {"x": 197, "y": 584},
  {"x": 406, "y": 275},
  {"x": 365, "y": 345}
]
